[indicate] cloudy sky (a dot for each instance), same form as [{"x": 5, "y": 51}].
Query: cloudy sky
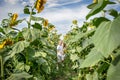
[{"x": 58, "y": 12}]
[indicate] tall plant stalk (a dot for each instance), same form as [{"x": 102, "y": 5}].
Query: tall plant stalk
[{"x": 2, "y": 68}]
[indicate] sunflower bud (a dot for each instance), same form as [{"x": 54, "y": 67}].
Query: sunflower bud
[
  {"x": 95, "y": 1},
  {"x": 51, "y": 28},
  {"x": 74, "y": 22},
  {"x": 45, "y": 23}
]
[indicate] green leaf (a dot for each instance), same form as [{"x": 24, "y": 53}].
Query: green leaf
[
  {"x": 99, "y": 20},
  {"x": 89, "y": 77},
  {"x": 40, "y": 54},
  {"x": 44, "y": 33},
  {"x": 31, "y": 34},
  {"x": 20, "y": 21},
  {"x": 113, "y": 13},
  {"x": 103, "y": 67},
  {"x": 93, "y": 76},
  {"x": 74, "y": 57},
  {"x": 27, "y": 68},
  {"x": 1, "y": 30},
  {"x": 99, "y": 6},
  {"x": 78, "y": 36},
  {"x": 20, "y": 66},
  {"x": 26, "y": 10},
  {"x": 18, "y": 47},
  {"x": 78, "y": 48},
  {"x": 19, "y": 76},
  {"x": 36, "y": 18},
  {"x": 37, "y": 26},
  {"x": 37, "y": 54},
  {"x": 13, "y": 34},
  {"x": 85, "y": 43},
  {"x": 91, "y": 5},
  {"x": 7, "y": 30},
  {"x": 41, "y": 61},
  {"x": 109, "y": 2},
  {"x": 31, "y": 52},
  {"x": 46, "y": 68},
  {"x": 33, "y": 13},
  {"x": 114, "y": 69},
  {"x": 9, "y": 14},
  {"x": 107, "y": 37},
  {"x": 92, "y": 58},
  {"x": 5, "y": 23},
  {"x": 50, "y": 52},
  {"x": 75, "y": 66}
]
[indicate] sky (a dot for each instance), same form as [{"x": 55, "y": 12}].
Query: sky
[{"x": 58, "y": 12}]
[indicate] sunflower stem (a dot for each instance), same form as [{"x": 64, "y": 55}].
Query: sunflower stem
[
  {"x": 29, "y": 22},
  {"x": 2, "y": 68}
]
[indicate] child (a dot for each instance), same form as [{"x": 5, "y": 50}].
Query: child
[{"x": 60, "y": 51}]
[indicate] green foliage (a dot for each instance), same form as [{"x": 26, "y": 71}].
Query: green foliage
[
  {"x": 36, "y": 18},
  {"x": 32, "y": 54},
  {"x": 92, "y": 52},
  {"x": 94, "y": 47},
  {"x": 92, "y": 59},
  {"x": 18, "y": 47},
  {"x": 31, "y": 34},
  {"x": 106, "y": 37},
  {"x": 19, "y": 76},
  {"x": 113, "y": 13},
  {"x": 26, "y": 10},
  {"x": 37, "y": 26},
  {"x": 97, "y": 8},
  {"x": 114, "y": 70}
]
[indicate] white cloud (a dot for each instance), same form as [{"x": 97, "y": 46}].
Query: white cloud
[
  {"x": 24, "y": 3},
  {"x": 60, "y": 17},
  {"x": 56, "y": 3},
  {"x": 31, "y": 1},
  {"x": 8, "y": 8},
  {"x": 63, "y": 17},
  {"x": 11, "y": 1},
  {"x": 56, "y": 15}
]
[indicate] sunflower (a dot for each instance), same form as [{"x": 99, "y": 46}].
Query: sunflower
[
  {"x": 40, "y": 5},
  {"x": 45, "y": 23},
  {"x": 8, "y": 42},
  {"x": 14, "y": 17},
  {"x": 13, "y": 20}
]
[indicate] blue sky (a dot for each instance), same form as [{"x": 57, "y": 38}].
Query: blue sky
[{"x": 58, "y": 12}]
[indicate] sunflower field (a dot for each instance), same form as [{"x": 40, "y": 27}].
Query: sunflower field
[{"x": 92, "y": 53}]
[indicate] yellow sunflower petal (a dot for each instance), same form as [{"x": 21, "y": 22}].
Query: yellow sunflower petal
[
  {"x": 40, "y": 5},
  {"x": 2, "y": 45},
  {"x": 40, "y": 9},
  {"x": 15, "y": 15}
]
